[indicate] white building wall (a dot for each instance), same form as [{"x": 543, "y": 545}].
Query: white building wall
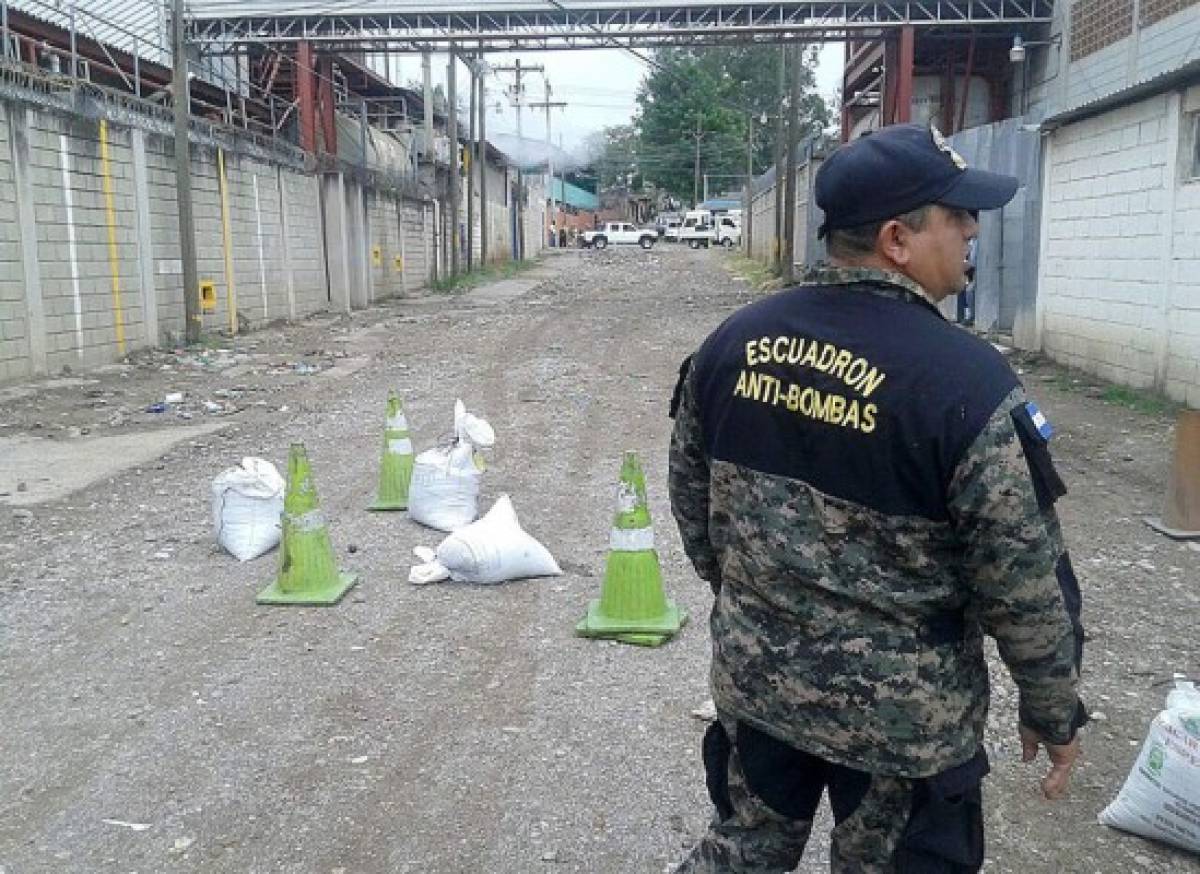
[{"x": 1119, "y": 291}]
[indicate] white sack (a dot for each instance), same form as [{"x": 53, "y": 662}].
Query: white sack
[
  {"x": 1161, "y": 796},
  {"x": 444, "y": 492},
  {"x": 491, "y": 550},
  {"x": 247, "y": 502}
]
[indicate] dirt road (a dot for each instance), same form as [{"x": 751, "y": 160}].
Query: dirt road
[{"x": 156, "y": 720}]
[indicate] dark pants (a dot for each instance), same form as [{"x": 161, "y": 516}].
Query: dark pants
[{"x": 766, "y": 794}]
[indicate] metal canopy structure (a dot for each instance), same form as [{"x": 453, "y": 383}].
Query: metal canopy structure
[{"x": 498, "y": 26}]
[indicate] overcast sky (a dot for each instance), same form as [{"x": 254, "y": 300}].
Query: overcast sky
[{"x": 600, "y": 85}]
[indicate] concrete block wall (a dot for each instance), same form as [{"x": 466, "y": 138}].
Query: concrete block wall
[
  {"x": 535, "y": 216},
  {"x": 305, "y": 255},
  {"x": 806, "y": 247},
  {"x": 763, "y": 241},
  {"x": 397, "y": 272},
  {"x": 417, "y": 222},
  {"x": 90, "y": 263},
  {"x": 253, "y": 221},
  {"x": 1181, "y": 369},
  {"x": 499, "y": 217},
  {"x": 1119, "y": 289},
  {"x": 87, "y": 250}
]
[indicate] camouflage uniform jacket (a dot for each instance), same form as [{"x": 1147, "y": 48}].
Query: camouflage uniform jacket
[{"x": 868, "y": 492}]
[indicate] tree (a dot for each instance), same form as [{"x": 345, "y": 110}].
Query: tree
[
  {"x": 614, "y": 154},
  {"x": 713, "y": 92}
]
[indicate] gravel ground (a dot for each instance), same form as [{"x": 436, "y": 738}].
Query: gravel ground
[{"x": 156, "y": 720}]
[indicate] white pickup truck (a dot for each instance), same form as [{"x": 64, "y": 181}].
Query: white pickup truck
[
  {"x": 620, "y": 234},
  {"x": 726, "y": 232}
]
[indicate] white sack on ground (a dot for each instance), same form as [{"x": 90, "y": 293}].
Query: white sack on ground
[
  {"x": 444, "y": 492},
  {"x": 247, "y": 502},
  {"x": 491, "y": 550},
  {"x": 1161, "y": 796}
]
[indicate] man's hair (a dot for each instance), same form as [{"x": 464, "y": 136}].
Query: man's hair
[{"x": 855, "y": 242}]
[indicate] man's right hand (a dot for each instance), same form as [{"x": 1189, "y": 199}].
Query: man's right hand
[{"x": 1062, "y": 761}]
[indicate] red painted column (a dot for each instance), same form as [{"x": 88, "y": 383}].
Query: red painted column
[
  {"x": 325, "y": 105},
  {"x": 306, "y": 98},
  {"x": 904, "y": 75}
]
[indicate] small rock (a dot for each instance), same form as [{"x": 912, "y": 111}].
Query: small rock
[
  {"x": 22, "y": 486},
  {"x": 352, "y": 548},
  {"x": 22, "y": 514},
  {"x": 1143, "y": 861},
  {"x": 181, "y": 846},
  {"x": 359, "y": 760},
  {"x": 550, "y": 856}
]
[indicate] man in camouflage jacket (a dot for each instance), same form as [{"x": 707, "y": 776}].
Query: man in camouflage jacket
[{"x": 868, "y": 491}]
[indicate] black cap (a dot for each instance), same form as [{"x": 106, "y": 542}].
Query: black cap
[{"x": 897, "y": 169}]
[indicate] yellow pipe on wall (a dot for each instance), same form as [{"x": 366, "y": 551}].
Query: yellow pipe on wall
[
  {"x": 227, "y": 244},
  {"x": 114, "y": 261}
]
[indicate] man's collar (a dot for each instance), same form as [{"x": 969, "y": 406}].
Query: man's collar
[{"x": 829, "y": 274}]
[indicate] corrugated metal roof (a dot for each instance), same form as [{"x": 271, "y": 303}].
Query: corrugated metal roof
[
  {"x": 573, "y": 195},
  {"x": 123, "y": 24},
  {"x": 1187, "y": 74}
]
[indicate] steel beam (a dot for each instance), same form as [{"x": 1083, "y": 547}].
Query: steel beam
[{"x": 394, "y": 25}]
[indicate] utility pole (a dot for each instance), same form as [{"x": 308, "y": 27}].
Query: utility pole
[
  {"x": 793, "y": 140},
  {"x": 471, "y": 169},
  {"x": 699, "y": 135},
  {"x": 547, "y": 104},
  {"x": 452, "y": 130},
  {"x": 748, "y": 212},
  {"x": 777, "y": 239},
  {"x": 427, "y": 97},
  {"x": 481, "y": 163},
  {"x": 517, "y": 94},
  {"x": 435, "y": 272},
  {"x": 183, "y": 181}
]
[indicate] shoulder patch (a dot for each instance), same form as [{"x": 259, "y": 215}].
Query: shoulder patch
[
  {"x": 1034, "y": 432},
  {"x": 1035, "y": 421}
]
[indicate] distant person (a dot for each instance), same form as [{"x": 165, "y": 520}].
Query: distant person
[{"x": 966, "y": 298}]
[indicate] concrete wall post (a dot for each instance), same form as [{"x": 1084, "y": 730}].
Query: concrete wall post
[
  {"x": 145, "y": 246},
  {"x": 20, "y": 122}
]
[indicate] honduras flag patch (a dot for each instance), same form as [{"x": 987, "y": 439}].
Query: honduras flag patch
[{"x": 1039, "y": 420}]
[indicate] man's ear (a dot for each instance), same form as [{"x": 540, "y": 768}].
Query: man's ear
[{"x": 893, "y": 242}]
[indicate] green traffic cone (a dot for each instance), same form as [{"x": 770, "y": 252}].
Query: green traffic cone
[
  {"x": 395, "y": 470},
  {"x": 632, "y": 607},
  {"x": 307, "y": 573}
]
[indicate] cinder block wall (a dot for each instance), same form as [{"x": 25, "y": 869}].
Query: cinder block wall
[
  {"x": 90, "y": 263},
  {"x": 86, "y": 244},
  {"x": 89, "y": 251},
  {"x": 1120, "y": 287},
  {"x": 806, "y": 248}
]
